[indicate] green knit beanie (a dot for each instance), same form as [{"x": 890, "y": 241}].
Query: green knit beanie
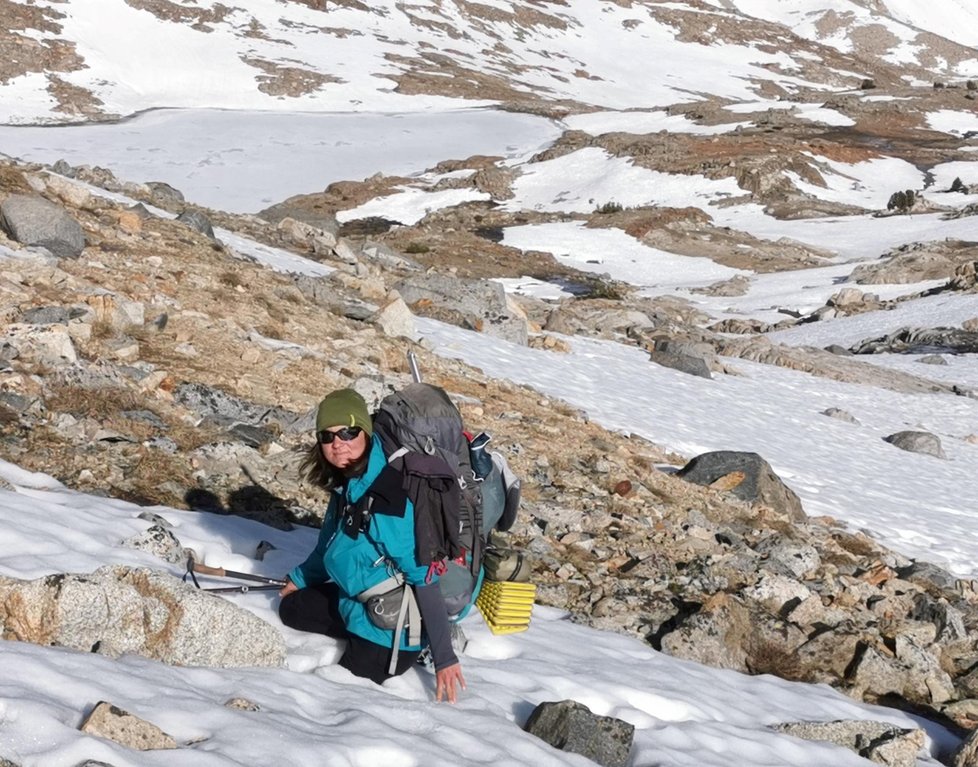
[{"x": 343, "y": 407}]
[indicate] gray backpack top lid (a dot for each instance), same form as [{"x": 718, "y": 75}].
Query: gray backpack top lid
[{"x": 422, "y": 418}]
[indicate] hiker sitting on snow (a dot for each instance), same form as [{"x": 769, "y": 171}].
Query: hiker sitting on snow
[{"x": 367, "y": 537}]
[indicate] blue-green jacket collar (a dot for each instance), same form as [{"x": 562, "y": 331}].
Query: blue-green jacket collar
[{"x": 356, "y": 487}]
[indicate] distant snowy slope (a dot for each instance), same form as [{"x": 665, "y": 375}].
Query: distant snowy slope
[
  {"x": 891, "y": 30},
  {"x": 954, "y": 19},
  {"x": 116, "y": 57}
]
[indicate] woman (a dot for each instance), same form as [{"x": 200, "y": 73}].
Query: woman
[{"x": 367, "y": 532}]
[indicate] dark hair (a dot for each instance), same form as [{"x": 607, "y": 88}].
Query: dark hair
[
  {"x": 320, "y": 472},
  {"x": 317, "y": 470}
]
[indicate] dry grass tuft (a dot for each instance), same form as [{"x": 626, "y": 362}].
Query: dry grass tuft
[
  {"x": 95, "y": 403},
  {"x": 770, "y": 658},
  {"x": 231, "y": 279},
  {"x": 189, "y": 438},
  {"x": 102, "y": 329},
  {"x": 151, "y": 471}
]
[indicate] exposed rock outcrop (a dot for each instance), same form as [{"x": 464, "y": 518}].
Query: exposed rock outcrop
[{"x": 118, "y": 610}]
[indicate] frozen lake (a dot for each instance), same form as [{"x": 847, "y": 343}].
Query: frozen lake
[{"x": 272, "y": 156}]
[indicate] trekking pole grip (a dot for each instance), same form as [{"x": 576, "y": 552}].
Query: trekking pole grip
[{"x": 218, "y": 571}]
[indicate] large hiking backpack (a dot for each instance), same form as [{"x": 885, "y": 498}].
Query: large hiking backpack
[{"x": 421, "y": 418}]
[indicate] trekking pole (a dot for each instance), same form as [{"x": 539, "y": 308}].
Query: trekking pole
[
  {"x": 242, "y": 589},
  {"x": 413, "y": 364},
  {"x": 194, "y": 567}
]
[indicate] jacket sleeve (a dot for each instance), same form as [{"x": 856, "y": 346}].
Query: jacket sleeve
[
  {"x": 434, "y": 618},
  {"x": 312, "y": 571}
]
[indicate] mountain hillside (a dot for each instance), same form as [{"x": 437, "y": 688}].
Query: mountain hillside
[{"x": 103, "y": 59}]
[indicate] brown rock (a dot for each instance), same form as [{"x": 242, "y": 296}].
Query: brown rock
[
  {"x": 110, "y": 722},
  {"x": 623, "y": 488}
]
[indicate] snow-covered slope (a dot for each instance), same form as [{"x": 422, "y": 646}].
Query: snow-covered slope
[{"x": 83, "y": 58}]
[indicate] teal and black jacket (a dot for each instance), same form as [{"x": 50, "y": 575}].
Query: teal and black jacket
[{"x": 358, "y": 556}]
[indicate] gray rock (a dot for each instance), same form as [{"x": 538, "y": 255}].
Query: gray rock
[
  {"x": 118, "y": 610},
  {"x": 46, "y": 315},
  {"x": 387, "y": 257},
  {"x": 160, "y": 542},
  {"x": 948, "y": 620},
  {"x": 794, "y": 559},
  {"x": 751, "y": 479},
  {"x": 474, "y": 304},
  {"x": 253, "y": 436},
  {"x": 737, "y": 285},
  {"x": 41, "y": 344},
  {"x": 141, "y": 210},
  {"x": 198, "y": 222},
  {"x": 920, "y": 341},
  {"x": 16, "y": 402},
  {"x": 840, "y": 351},
  {"x": 228, "y": 410},
  {"x": 35, "y": 221},
  {"x": 396, "y": 320},
  {"x": 682, "y": 356},
  {"x": 917, "y": 442},
  {"x": 344, "y": 252},
  {"x": 113, "y": 723},
  {"x": 319, "y": 290},
  {"x": 242, "y": 704},
  {"x": 63, "y": 168},
  {"x": 155, "y": 519},
  {"x": 318, "y": 218},
  {"x": 356, "y": 310},
  {"x": 880, "y": 742},
  {"x": 165, "y": 192},
  {"x": 571, "y": 726},
  {"x": 932, "y": 359},
  {"x": 937, "y": 581},
  {"x": 165, "y": 444},
  {"x": 967, "y": 753},
  {"x": 842, "y": 415},
  {"x": 914, "y": 675}
]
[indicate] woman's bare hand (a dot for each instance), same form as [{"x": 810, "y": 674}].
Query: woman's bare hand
[{"x": 446, "y": 680}]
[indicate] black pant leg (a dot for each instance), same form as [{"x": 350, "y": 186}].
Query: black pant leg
[
  {"x": 314, "y": 609},
  {"x": 370, "y": 660}
]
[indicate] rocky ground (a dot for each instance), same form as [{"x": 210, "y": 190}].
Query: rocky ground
[{"x": 134, "y": 366}]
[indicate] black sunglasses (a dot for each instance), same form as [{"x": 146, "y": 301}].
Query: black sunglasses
[{"x": 345, "y": 434}]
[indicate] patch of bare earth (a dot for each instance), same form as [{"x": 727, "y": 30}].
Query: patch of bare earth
[
  {"x": 344, "y": 195},
  {"x": 439, "y": 74},
  {"x": 73, "y": 100},
  {"x": 21, "y": 54},
  {"x": 689, "y": 232},
  {"x": 196, "y": 18},
  {"x": 282, "y": 79},
  {"x": 320, "y": 5}
]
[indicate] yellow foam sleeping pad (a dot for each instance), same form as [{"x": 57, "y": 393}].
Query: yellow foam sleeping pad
[{"x": 506, "y": 605}]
